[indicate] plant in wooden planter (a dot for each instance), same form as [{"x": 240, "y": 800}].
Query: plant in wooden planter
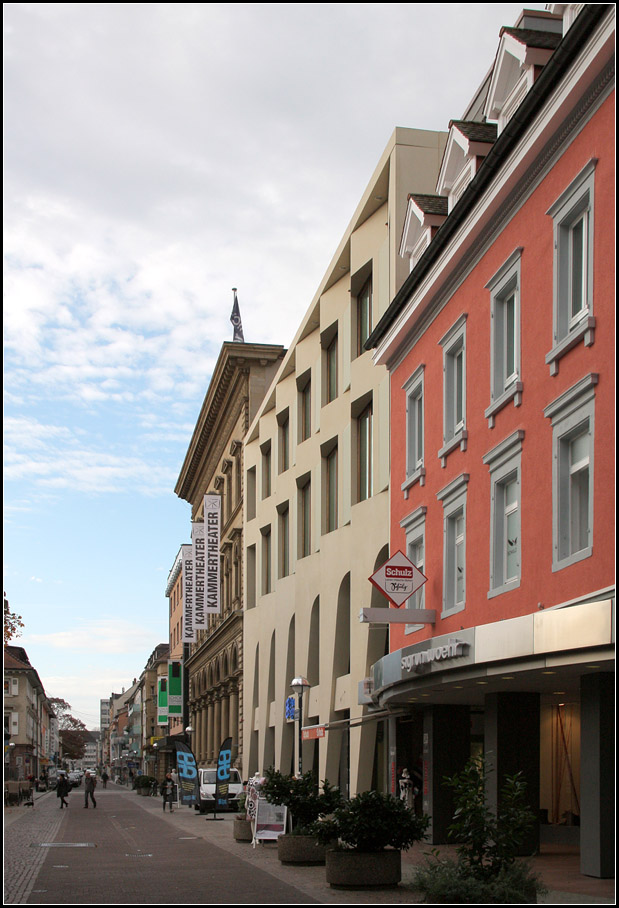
[
  {"x": 306, "y": 803},
  {"x": 372, "y": 830}
]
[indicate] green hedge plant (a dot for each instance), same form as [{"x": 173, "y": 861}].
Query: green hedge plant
[
  {"x": 372, "y": 822},
  {"x": 301, "y": 795},
  {"x": 487, "y": 870}
]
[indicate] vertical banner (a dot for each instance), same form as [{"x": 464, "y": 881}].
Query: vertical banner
[
  {"x": 212, "y": 526},
  {"x": 188, "y": 777},
  {"x": 162, "y": 701},
  {"x": 224, "y": 762},
  {"x": 189, "y": 630},
  {"x": 199, "y": 569},
  {"x": 175, "y": 688}
]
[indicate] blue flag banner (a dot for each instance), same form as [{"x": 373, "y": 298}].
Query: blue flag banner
[
  {"x": 224, "y": 762},
  {"x": 188, "y": 778},
  {"x": 235, "y": 318}
]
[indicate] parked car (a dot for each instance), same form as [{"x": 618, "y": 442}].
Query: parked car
[
  {"x": 75, "y": 778},
  {"x": 208, "y": 780}
]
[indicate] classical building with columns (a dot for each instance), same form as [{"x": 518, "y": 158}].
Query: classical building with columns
[{"x": 214, "y": 465}]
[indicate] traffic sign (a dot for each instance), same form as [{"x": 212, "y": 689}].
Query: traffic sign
[{"x": 398, "y": 579}]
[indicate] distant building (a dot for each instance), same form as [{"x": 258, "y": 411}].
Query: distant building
[
  {"x": 214, "y": 465},
  {"x": 30, "y": 729},
  {"x": 174, "y": 594}
]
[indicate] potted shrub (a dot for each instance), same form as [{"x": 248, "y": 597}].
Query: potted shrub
[
  {"x": 371, "y": 831},
  {"x": 143, "y": 784},
  {"x": 241, "y": 827},
  {"x": 306, "y": 803},
  {"x": 486, "y": 870}
]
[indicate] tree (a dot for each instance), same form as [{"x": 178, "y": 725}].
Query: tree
[
  {"x": 72, "y": 732},
  {"x": 12, "y": 623}
]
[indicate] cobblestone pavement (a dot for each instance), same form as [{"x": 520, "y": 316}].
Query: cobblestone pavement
[{"x": 128, "y": 851}]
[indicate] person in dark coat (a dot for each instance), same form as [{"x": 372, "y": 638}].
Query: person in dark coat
[
  {"x": 167, "y": 790},
  {"x": 89, "y": 789},
  {"x": 62, "y": 790}
]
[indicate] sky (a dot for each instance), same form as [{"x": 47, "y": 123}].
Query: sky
[{"x": 155, "y": 157}]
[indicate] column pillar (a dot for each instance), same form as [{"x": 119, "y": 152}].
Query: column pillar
[
  {"x": 597, "y": 775},
  {"x": 210, "y": 746},
  {"x": 225, "y": 715},
  {"x": 204, "y": 708},
  {"x": 446, "y": 748},
  {"x": 216, "y": 726},
  {"x": 511, "y": 744},
  {"x": 234, "y": 721}
]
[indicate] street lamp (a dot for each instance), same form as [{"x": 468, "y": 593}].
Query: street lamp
[{"x": 298, "y": 685}]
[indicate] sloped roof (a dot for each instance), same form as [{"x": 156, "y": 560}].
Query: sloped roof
[
  {"x": 430, "y": 204},
  {"x": 533, "y": 38},
  {"x": 476, "y": 131},
  {"x": 11, "y": 661}
]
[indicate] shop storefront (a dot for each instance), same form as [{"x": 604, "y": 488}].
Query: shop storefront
[{"x": 534, "y": 693}]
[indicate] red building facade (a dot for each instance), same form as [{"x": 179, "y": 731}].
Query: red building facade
[{"x": 500, "y": 347}]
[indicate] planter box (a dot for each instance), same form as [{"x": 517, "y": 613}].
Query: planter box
[
  {"x": 363, "y": 870},
  {"x": 241, "y": 830},
  {"x": 300, "y": 849}
]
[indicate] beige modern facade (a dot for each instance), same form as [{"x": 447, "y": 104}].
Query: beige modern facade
[
  {"x": 214, "y": 465},
  {"x": 317, "y": 499}
]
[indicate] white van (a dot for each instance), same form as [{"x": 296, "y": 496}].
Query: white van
[{"x": 208, "y": 781}]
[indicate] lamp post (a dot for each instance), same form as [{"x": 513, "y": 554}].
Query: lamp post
[{"x": 298, "y": 685}]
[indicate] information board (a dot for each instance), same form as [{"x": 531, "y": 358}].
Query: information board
[{"x": 270, "y": 820}]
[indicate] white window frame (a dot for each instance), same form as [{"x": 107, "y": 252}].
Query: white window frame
[
  {"x": 572, "y": 415},
  {"x": 414, "y": 525},
  {"x": 453, "y": 497},
  {"x": 574, "y": 204},
  {"x": 504, "y": 286},
  {"x": 454, "y": 424},
  {"x": 504, "y": 462},
  {"x": 415, "y": 442}
]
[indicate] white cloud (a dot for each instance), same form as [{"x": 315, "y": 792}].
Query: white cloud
[{"x": 110, "y": 636}]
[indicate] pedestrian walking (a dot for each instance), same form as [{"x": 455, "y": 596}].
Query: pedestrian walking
[
  {"x": 90, "y": 783},
  {"x": 62, "y": 790},
  {"x": 167, "y": 790},
  {"x": 104, "y": 778}
]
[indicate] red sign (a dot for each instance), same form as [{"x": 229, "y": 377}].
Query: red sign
[{"x": 312, "y": 732}]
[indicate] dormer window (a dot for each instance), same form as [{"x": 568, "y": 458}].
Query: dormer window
[
  {"x": 467, "y": 145},
  {"x": 522, "y": 52},
  {"x": 424, "y": 215}
]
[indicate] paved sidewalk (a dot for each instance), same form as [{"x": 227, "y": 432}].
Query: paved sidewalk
[{"x": 186, "y": 829}]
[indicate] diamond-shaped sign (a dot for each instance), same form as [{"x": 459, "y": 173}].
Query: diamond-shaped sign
[{"x": 398, "y": 578}]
